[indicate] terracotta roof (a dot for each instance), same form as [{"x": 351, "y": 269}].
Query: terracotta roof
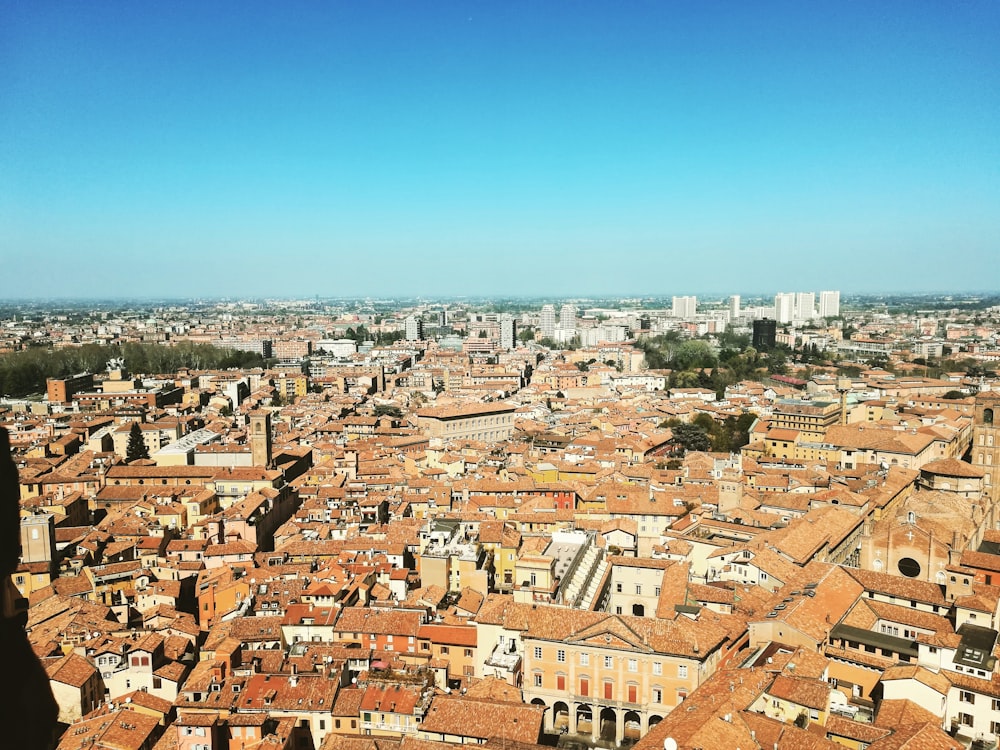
[
  {"x": 952, "y": 467},
  {"x": 70, "y": 670},
  {"x": 483, "y": 719}
]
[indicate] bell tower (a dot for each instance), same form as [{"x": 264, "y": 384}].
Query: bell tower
[
  {"x": 260, "y": 438},
  {"x": 985, "y": 450}
]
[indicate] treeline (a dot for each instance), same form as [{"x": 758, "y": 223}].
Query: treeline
[
  {"x": 361, "y": 334},
  {"x": 707, "y": 434},
  {"x": 694, "y": 362},
  {"x": 24, "y": 373}
]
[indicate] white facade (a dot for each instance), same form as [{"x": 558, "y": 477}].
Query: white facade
[
  {"x": 829, "y": 304},
  {"x": 338, "y": 347},
  {"x": 547, "y": 321},
  {"x": 508, "y": 332},
  {"x": 414, "y": 327},
  {"x": 734, "y": 307},
  {"x": 685, "y": 307},
  {"x": 805, "y": 305},
  {"x": 784, "y": 307}
]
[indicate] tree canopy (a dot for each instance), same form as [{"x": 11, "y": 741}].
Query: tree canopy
[{"x": 136, "y": 448}]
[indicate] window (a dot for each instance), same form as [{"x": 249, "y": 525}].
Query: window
[
  {"x": 965, "y": 719},
  {"x": 609, "y": 662},
  {"x": 657, "y": 667},
  {"x": 633, "y": 691},
  {"x": 995, "y": 727},
  {"x": 584, "y": 660},
  {"x": 656, "y": 591},
  {"x": 560, "y": 682},
  {"x": 561, "y": 655},
  {"x": 682, "y": 671},
  {"x": 444, "y": 650},
  {"x": 538, "y": 679},
  {"x": 584, "y": 686},
  {"x": 538, "y": 652},
  {"x": 964, "y": 696},
  {"x": 468, "y": 653},
  {"x": 638, "y": 589},
  {"x": 633, "y": 665},
  {"x": 609, "y": 690},
  {"x": 996, "y": 705},
  {"x": 657, "y": 695},
  {"x": 618, "y": 588}
]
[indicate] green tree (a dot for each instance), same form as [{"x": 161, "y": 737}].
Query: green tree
[
  {"x": 136, "y": 448},
  {"x": 691, "y": 437},
  {"x": 693, "y": 355},
  {"x": 777, "y": 362}
]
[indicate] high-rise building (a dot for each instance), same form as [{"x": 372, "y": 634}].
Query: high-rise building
[
  {"x": 685, "y": 307},
  {"x": 414, "y": 327},
  {"x": 784, "y": 307},
  {"x": 829, "y": 304},
  {"x": 805, "y": 305},
  {"x": 547, "y": 321},
  {"x": 765, "y": 332},
  {"x": 508, "y": 332},
  {"x": 567, "y": 316},
  {"x": 734, "y": 307}
]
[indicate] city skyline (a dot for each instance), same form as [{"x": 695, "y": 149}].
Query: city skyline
[{"x": 497, "y": 150}]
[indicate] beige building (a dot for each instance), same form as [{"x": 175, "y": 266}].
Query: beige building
[{"x": 483, "y": 422}]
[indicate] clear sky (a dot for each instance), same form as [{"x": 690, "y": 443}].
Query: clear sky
[{"x": 347, "y": 147}]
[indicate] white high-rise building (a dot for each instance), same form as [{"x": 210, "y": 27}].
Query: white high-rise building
[
  {"x": 567, "y": 316},
  {"x": 508, "y": 332},
  {"x": 829, "y": 304},
  {"x": 805, "y": 305},
  {"x": 784, "y": 307},
  {"x": 547, "y": 321},
  {"x": 685, "y": 307},
  {"x": 734, "y": 307},
  {"x": 414, "y": 328}
]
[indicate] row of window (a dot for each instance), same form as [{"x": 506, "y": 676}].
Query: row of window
[
  {"x": 609, "y": 662},
  {"x": 631, "y": 689},
  {"x": 967, "y": 696},
  {"x": 638, "y": 589},
  {"x": 967, "y": 720}
]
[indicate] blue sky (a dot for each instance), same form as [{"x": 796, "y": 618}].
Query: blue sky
[{"x": 441, "y": 148}]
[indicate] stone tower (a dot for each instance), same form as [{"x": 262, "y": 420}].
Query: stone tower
[
  {"x": 985, "y": 450},
  {"x": 260, "y": 438}
]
